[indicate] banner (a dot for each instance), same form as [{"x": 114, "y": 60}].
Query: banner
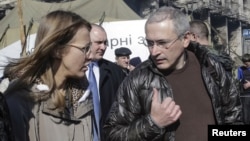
[{"x": 128, "y": 34}]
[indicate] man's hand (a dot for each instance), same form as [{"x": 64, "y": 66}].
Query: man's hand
[{"x": 165, "y": 113}]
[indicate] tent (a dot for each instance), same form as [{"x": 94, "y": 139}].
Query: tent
[{"x": 91, "y": 10}]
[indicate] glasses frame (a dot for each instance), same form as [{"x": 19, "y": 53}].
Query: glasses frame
[
  {"x": 84, "y": 49},
  {"x": 161, "y": 43}
]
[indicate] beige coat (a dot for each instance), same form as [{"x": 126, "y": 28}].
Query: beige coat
[{"x": 38, "y": 122}]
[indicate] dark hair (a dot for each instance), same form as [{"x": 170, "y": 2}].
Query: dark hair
[{"x": 246, "y": 58}]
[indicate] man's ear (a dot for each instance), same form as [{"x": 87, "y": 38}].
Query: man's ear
[{"x": 186, "y": 39}]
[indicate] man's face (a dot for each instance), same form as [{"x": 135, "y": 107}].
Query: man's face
[
  {"x": 165, "y": 46},
  {"x": 99, "y": 43},
  {"x": 123, "y": 61}
]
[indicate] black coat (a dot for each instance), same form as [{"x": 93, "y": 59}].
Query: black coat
[{"x": 111, "y": 77}]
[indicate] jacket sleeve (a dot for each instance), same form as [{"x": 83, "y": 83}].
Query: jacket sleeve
[
  {"x": 233, "y": 109},
  {"x": 229, "y": 95},
  {"x": 127, "y": 120},
  {"x": 19, "y": 123}
]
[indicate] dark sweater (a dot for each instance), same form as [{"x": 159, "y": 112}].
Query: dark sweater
[{"x": 190, "y": 93}]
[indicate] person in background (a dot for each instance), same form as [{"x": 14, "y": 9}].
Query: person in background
[
  {"x": 244, "y": 78},
  {"x": 5, "y": 122},
  {"x": 122, "y": 57},
  {"x": 46, "y": 100},
  {"x": 199, "y": 34},
  {"x": 107, "y": 74},
  {"x": 135, "y": 61},
  {"x": 177, "y": 92}
]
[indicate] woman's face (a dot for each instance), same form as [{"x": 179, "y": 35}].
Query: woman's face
[{"x": 76, "y": 55}]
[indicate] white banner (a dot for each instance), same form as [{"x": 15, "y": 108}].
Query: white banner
[{"x": 128, "y": 34}]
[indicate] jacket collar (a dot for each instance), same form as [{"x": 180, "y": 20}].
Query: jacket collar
[
  {"x": 200, "y": 51},
  {"x": 49, "y": 108},
  {"x": 84, "y": 108}
]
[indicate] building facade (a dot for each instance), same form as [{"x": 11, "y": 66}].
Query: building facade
[{"x": 228, "y": 21}]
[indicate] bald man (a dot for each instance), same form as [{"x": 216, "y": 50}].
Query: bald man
[{"x": 107, "y": 74}]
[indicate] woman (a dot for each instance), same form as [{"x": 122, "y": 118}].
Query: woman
[{"x": 45, "y": 101}]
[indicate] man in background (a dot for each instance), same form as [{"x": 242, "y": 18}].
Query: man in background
[
  {"x": 200, "y": 34},
  {"x": 122, "y": 58},
  {"x": 107, "y": 74}
]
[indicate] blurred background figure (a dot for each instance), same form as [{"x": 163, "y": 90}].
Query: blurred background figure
[
  {"x": 244, "y": 78},
  {"x": 135, "y": 61},
  {"x": 122, "y": 57},
  {"x": 199, "y": 32}
]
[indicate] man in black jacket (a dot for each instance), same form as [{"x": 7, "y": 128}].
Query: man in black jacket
[
  {"x": 177, "y": 92},
  {"x": 107, "y": 74}
]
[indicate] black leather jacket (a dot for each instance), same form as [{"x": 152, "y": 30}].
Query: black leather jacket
[{"x": 129, "y": 117}]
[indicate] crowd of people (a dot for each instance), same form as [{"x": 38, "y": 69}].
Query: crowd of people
[{"x": 65, "y": 90}]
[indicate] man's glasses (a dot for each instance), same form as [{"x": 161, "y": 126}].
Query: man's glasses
[
  {"x": 84, "y": 49},
  {"x": 161, "y": 43}
]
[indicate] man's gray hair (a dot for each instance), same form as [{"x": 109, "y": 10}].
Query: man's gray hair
[{"x": 180, "y": 20}]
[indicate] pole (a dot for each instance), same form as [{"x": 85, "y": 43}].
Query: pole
[{"x": 22, "y": 28}]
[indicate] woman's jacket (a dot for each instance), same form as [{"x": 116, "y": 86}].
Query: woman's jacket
[
  {"x": 129, "y": 117},
  {"x": 40, "y": 121}
]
